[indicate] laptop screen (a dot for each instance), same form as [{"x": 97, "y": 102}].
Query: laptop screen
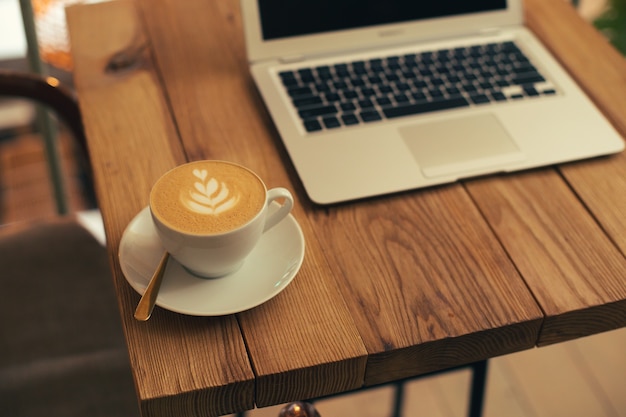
[{"x": 285, "y": 18}]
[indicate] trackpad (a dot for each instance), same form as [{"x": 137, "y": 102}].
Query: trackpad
[{"x": 461, "y": 145}]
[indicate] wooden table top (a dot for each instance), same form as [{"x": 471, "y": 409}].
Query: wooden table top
[{"x": 390, "y": 287}]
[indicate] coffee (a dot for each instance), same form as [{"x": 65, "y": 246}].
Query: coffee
[
  {"x": 207, "y": 197},
  {"x": 210, "y": 215}
]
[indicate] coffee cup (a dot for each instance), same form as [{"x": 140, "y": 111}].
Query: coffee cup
[{"x": 209, "y": 215}]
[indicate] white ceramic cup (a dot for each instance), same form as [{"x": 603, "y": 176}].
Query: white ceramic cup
[{"x": 210, "y": 193}]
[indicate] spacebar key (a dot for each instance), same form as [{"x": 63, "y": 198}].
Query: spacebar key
[{"x": 425, "y": 107}]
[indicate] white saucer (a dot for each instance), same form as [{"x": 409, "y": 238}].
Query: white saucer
[{"x": 267, "y": 271}]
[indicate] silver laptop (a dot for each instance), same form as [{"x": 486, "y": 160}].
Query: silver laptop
[{"x": 373, "y": 97}]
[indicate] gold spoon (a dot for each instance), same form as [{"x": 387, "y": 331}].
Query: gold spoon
[{"x": 146, "y": 304}]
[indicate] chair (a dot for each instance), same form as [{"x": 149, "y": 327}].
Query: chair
[
  {"x": 62, "y": 350},
  {"x": 49, "y": 92}
]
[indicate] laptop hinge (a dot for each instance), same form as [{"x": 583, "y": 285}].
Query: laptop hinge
[
  {"x": 291, "y": 59},
  {"x": 490, "y": 31}
]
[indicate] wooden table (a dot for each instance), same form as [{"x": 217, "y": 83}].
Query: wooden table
[{"x": 391, "y": 287}]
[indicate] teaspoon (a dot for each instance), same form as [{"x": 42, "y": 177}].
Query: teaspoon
[{"x": 146, "y": 304}]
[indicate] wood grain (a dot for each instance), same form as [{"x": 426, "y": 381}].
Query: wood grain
[
  {"x": 217, "y": 114},
  {"x": 429, "y": 284},
  {"x": 601, "y": 71},
  {"x": 572, "y": 267},
  {"x": 390, "y": 287},
  {"x": 182, "y": 365},
  {"x": 493, "y": 284}
]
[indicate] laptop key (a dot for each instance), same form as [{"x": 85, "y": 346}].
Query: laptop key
[
  {"x": 317, "y": 111},
  {"x": 287, "y": 76},
  {"x": 498, "y": 96},
  {"x": 331, "y": 122},
  {"x": 350, "y": 94},
  {"x": 528, "y": 78},
  {"x": 383, "y": 101},
  {"x": 307, "y": 101},
  {"x": 322, "y": 88},
  {"x": 349, "y": 119},
  {"x": 479, "y": 98},
  {"x": 401, "y": 98},
  {"x": 347, "y": 106},
  {"x": 300, "y": 91},
  {"x": 366, "y": 103},
  {"x": 530, "y": 91},
  {"x": 370, "y": 116},
  {"x": 330, "y": 97},
  {"x": 312, "y": 125},
  {"x": 290, "y": 82},
  {"x": 423, "y": 107}
]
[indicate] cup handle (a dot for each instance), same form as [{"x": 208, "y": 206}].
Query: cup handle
[{"x": 283, "y": 211}]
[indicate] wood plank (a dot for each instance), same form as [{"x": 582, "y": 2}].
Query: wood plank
[
  {"x": 571, "y": 266},
  {"x": 304, "y": 343},
  {"x": 190, "y": 366},
  {"x": 601, "y": 183},
  {"x": 573, "y": 269},
  {"x": 429, "y": 284},
  {"x": 284, "y": 335}
]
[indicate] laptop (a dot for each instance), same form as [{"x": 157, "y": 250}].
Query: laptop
[{"x": 372, "y": 97}]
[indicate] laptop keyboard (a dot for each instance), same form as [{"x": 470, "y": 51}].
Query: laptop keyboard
[{"x": 347, "y": 94}]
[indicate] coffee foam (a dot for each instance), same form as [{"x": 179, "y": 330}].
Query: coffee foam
[{"x": 207, "y": 197}]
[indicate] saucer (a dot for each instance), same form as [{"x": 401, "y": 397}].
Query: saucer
[{"x": 267, "y": 271}]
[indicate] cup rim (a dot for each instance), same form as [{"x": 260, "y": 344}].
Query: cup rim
[{"x": 190, "y": 233}]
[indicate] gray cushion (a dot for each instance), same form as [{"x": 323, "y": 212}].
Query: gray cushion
[{"x": 62, "y": 351}]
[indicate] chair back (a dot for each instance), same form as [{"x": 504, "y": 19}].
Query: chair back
[{"x": 49, "y": 92}]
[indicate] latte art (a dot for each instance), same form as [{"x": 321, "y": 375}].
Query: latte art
[{"x": 208, "y": 196}]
